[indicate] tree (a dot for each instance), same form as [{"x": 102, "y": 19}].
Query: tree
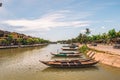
[
  {"x": 110, "y": 37},
  {"x": 24, "y": 41},
  {"x": 10, "y": 39},
  {"x": 30, "y": 41},
  {"x": 87, "y": 32},
  {"x": 74, "y": 40},
  {"x": 79, "y": 38},
  {"x": 112, "y": 33},
  {"x": 3, "y": 42},
  {"x": 36, "y": 40},
  {"x": 118, "y": 34},
  {"x": 20, "y": 41},
  {"x": 85, "y": 36},
  {"x": 84, "y": 39},
  {"x": 105, "y": 38}
]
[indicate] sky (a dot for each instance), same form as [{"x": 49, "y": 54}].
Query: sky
[{"x": 59, "y": 19}]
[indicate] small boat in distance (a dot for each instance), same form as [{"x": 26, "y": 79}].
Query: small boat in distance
[
  {"x": 70, "y": 63},
  {"x": 71, "y": 46},
  {"x": 69, "y": 49},
  {"x": 68, "y": 52},
  {"x": 66, "y": 55}
]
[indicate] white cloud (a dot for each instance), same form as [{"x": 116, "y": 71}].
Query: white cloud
[
  {"x": 103, "y": 27},
  {"x": 46, "y": 22}
]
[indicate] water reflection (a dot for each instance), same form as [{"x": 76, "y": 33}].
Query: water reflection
[
  {"x": 16, "y": 51},
  {"x": 53, "y": 69},
  {"x": 111, "y": 69},
  {"x": 7, "y": 55}
]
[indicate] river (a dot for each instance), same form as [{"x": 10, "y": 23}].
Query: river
[{"x": 23, "y": 64}]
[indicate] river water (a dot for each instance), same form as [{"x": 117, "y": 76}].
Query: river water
[{"x": 23, "y": 64}]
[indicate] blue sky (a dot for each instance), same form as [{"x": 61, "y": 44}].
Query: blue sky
[{"x": 59, "y": 19}]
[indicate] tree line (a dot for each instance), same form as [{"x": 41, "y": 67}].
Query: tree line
[
  {"x": 21, "y": 41},
  {"x": 110, "y": 37}
]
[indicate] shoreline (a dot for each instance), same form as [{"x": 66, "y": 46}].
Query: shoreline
[
  {"x": 105, "y": 58},
  {"x": 104, "y": 54},
  {"x": 21, "y": 46}
]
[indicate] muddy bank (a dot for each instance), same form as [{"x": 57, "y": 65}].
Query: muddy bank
[{"x": 105, "y": 58}]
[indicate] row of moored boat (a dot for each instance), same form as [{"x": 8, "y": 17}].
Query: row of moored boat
[{"x": 70, "y": 63}]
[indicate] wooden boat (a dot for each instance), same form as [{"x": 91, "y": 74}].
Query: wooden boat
[
  {"x": 66, "y": 55},
  {"x": 68, "y": 52},
  {"x": 67, "y": 46},
  {"x": 69, "y": 49},
  {"x": 71, "y": 46},
  {"x": 70, "y": 63}
]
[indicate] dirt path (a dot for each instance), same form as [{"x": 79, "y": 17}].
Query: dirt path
[{"x": 106, "y": 48}]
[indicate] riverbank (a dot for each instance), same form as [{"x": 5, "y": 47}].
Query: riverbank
[
  {"x": 21, "y": 46},
  {"x": 106, "y": 48},
  {"x": 105, "y": 54}
]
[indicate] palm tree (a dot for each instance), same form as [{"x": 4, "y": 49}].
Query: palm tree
[{"x": 87, "y": 32}]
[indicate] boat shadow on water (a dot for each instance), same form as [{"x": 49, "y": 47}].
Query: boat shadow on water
[{"x": 54, "y": 69}]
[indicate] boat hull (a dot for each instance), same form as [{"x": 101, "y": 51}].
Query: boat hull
[
  {"x": 69, "y": 53},
  {"x": 71, "y": 65},
  {"x": 70, "y": 49}
]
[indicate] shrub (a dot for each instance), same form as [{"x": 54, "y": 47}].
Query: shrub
[{"x": 84, "y": 49}]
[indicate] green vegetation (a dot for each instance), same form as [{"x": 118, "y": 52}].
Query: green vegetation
[
  {"x": 109, "y": 37},
  {"x": 9, "y": 39},
  {"x": 3, "y": 42},
  {"x": 13, "y": 38},
  {"x": 30, "y": 41},
  {"x": 84, "y": 49},
  {"x": 21, "y": 41}
]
